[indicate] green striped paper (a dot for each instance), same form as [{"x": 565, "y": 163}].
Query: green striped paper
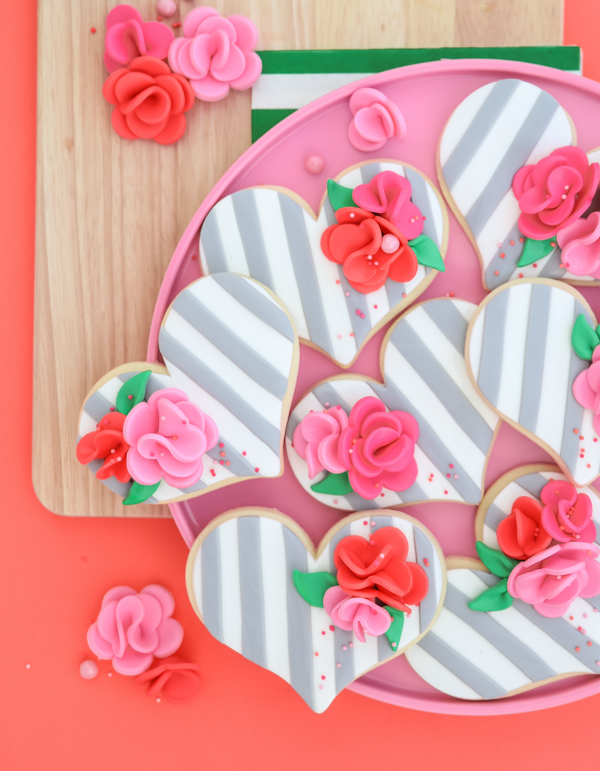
[{"x": 292, "y": 79}]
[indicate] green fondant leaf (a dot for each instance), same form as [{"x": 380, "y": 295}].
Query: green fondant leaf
[
  {"x": 534, "y": 250},
  {"x": 333, "y": 484},
  {"x": 312, "y": 586},
  {"x": 135, "y": 388},
  {"x": 339, "y": 195},
  {"x": 495, "y": 561},
  {"x": 584, "y": 338},
  {"x": 395, "y": 631},
  {"x": 494, "y": 598},
  {"x": 139, "y": 493},
  {"x": 427, "y": 253}
]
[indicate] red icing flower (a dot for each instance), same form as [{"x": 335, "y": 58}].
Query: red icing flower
[
  {"x": 376, "y": 569},
  {"x": 567, "y": 516},
  {"x": 521, "y": 534},
  {"x": 178, "y": 680},
  {"x": 370, "y": 248},
  {"x": 149, "y": 101},
  {"x": 106, "y": 443}
]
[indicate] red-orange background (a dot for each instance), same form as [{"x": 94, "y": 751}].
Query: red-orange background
[{"x": 54, "y": 571}]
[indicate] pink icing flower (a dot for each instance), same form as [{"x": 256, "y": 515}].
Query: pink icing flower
[
  {"x": 356, "y": 613},
  {"x": 129, "y": 36},
  {"x": 586, "y": 388},
  {"x": 580, "y": 244},
  {"x": 132, "y": 628},
  {"x": 216, "y": 54},
  {"x": 566, "y": 515},
  {"x": 552, "y": 579},
  {"x": 168, "y": 435},
  {"x": 376, "y": 119},
  {"x": 316, "y": 440},
  {"x": 555, "y": 192},
  {"x": 388, "y": 194}
]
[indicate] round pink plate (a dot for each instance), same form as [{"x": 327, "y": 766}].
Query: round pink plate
[{"x": 427, "y": 94}]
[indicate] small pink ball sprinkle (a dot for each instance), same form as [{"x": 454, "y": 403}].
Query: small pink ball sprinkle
[
  {"x": 372, "y": 524},
  {"x": 344, "y": 647},
  {"x": 585, "y": 615},
  {"x": 365, "y": 522},
  {"x": 389, "y": 243},
  {"x": 323, "y": 632},
  {"x": 338, "y": 665},
  {"x": 314, "y": 164},
  {"x": 321, "y": 687},
  {"x": 88, "y": 669},
  {"x": 166, "y": 7},
  {"x": 316, "y": 653},
  {"x": 331, "y": 628},
  {"x": 347, "y": 294},
  {"x": 351, "y": 645}
]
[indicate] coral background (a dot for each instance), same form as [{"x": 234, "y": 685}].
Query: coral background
[{"x": 54, "y": 571}]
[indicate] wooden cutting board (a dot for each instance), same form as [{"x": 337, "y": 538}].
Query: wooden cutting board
[{"x": 110, "y": 212}]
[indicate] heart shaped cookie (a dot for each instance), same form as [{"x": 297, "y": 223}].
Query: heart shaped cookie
[
  {"x": 216, "y": 410},
  {"x": 259, "y": 586},
  {"x": 520, "y": 357},
  {"x": 422, "y": 360},
  {"x": 474, "y": 654},
  {"x": 273, "y": 236},
  {"x": 496, "y": 131}
]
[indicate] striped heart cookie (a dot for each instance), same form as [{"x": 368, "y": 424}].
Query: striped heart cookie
[
  {"x": 472, "y": 654},
  {"x": 520, "y": 356},
  {"x": 494, "y": 132},
  {"x": 230, "y": 347},
  {"x": 273, "y": 236},
  {"x": 422, "y": 360},
  {"x": 242, "y": 578}
]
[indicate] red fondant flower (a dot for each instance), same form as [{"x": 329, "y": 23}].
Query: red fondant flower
[
  {"x": 178, "y": 680},
  {"x": 567, "y": 516},
  {"x": 106, "y": 443},
  {"x": 376, "y": 569},
  {"x": 370, "y": 248},
  {"x": 521, "y": 534},
  {"x": 149, "y": 101}
]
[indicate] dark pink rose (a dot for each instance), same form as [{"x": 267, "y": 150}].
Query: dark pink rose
[
  {"x": 128, "y": 36},
  {"x": 388, "y": 194},
  {"x": 586, "y": 388},
  {"x": 580, "y": 244}
]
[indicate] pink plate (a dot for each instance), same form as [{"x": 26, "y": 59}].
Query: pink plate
[{"x": 427, "y": 94}]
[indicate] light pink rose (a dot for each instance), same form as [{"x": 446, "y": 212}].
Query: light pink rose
[
  {"x": 356, "y": 614},
  {"x": 376, "y": 119},
  {"x": 567, "y": 516},
  {"x": 128, "y": 36},
  {"x": 580, "y": 244},
  {"x": 552, "y": 579},
  {"x": 586, "y": 388},
  {"x": 132, "y": 628},
  {"x": 216, "y": 54},
  {"x": 316, "y": 440},
  {"x": 168, "y": 435}
]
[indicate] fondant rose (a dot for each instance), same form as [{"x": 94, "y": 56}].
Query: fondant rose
[
  {"x": 316, "y": 440},
  {"x": 567, "y": 516},
  {"x": 177, "y": 680},
  {"x": 586, "y": 388},
  {"x": 216, "y": 54},
  {"x": 580, "y": 244},
  {"x": 376, "y": 119},
  {"x": 388, "y": 194},
  {"x": 552, "y": 579},
  {"x": 106, "y": 443},
  {"x": 356, "y": 613},
  {"x": 555, "y": 192},
  {"x": 132, "y": 628},
  {"x": 370, "y": 248},
  {"x": 129, "y": 36},
  {"x": 168, "y": 435},
  {"x": 521, "y": 534},
  {"x": 376, "y": 569},
  {"x": 149, "y": 101}
]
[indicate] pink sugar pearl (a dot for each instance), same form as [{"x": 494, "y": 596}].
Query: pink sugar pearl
[
  {"x": 314, "y": 164},
  {"x": 88, "y": 669},
  {"x": 389, "y": 243},
  {"x": 166, "y": 7}
]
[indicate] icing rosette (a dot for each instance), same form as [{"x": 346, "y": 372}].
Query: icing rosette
[
  {"x": 168, "y": 435},
  {"x": 580, "y": 244},
  {"x": 567, "y": 515},
  {"x": 376, "y": 119},
  {"x": 132, "y": 628},
  {"x": 216, "y": 53},
  {"x": 356, "y": 614},
  {"x": 128, "y": 36},
  {"x": 106, "y": 443},
  {"x": 522, "y": 534}
]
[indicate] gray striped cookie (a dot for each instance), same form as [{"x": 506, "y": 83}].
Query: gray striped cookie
[
  {"x": 491, "y": 134},
  {"x": 520, "y": 357},
  {"x": 239, "y": 579},
  {"x": 425, "y": 374},
  {"x": 475, "y": 655},
  {"x": 274, "y": 237},
  {"x": 231, "y": 347}
]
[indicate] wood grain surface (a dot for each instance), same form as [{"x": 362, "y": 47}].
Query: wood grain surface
[{"x": 110, "y": 212}]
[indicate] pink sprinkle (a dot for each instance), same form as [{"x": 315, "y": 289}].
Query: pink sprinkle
[
  {"x": 338, "y": 665},
  {"x": 351, "y": 645},
  {"x": 322, "y": 632},
  {"x": 316, "y": 653},
  {"x": 347, "y": 294},
  {"x": 257, "y": 469},
  {"x": 394, "y": 645},
  {"x": 585, "y": 615},
  {"x": 339, "y": 337},
  {"x": 403, "y": 294},
  {"x": 337, "y": 281},
  {"x": 244, "y": 452},
  {"x": 362, "y": 315},
  {"x": 456, "y": 476},
  {"x": 376, "y": 306},
  {"x": 357, "y": 312},
  {"x": 448, "y": 475},
  {"x": 93, "y": 30},
  {"x": 335, "y": 500},
  {"x": 344, "y": 647},
  {"x": 372, "y": 524},
  {"x": 130, "y": 396},
  {"x": 451, "y": 465},
  {"x": 321, "y": 687},
  {"x": 331, "y": 628},
  {"x": 323, "y": 677},
  {"x": 445, "y": 492},
  {"x": 365, "y": 522}
]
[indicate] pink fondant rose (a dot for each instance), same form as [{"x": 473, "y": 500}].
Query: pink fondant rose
[
  {"x": 580, "y": 244},
  {"x": 567, "y": 516},
  {"x": 555, "y": 192},
  {"x": 132, "y": 628},
  {"x": 376, "y": 119},
  {"x": 129, "y": 36},
  {"x": 586, "y": 388},
  {"x": 356, "y": 613},
  {"x": 106, "y": 443},
  {"x": 216, "y": 54},
  {"x": 388, "y": 195},
  {"x": 168, "y": 435},
  {"x": 316, "y": 440},
  {"x": 552, "y": 579}
]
